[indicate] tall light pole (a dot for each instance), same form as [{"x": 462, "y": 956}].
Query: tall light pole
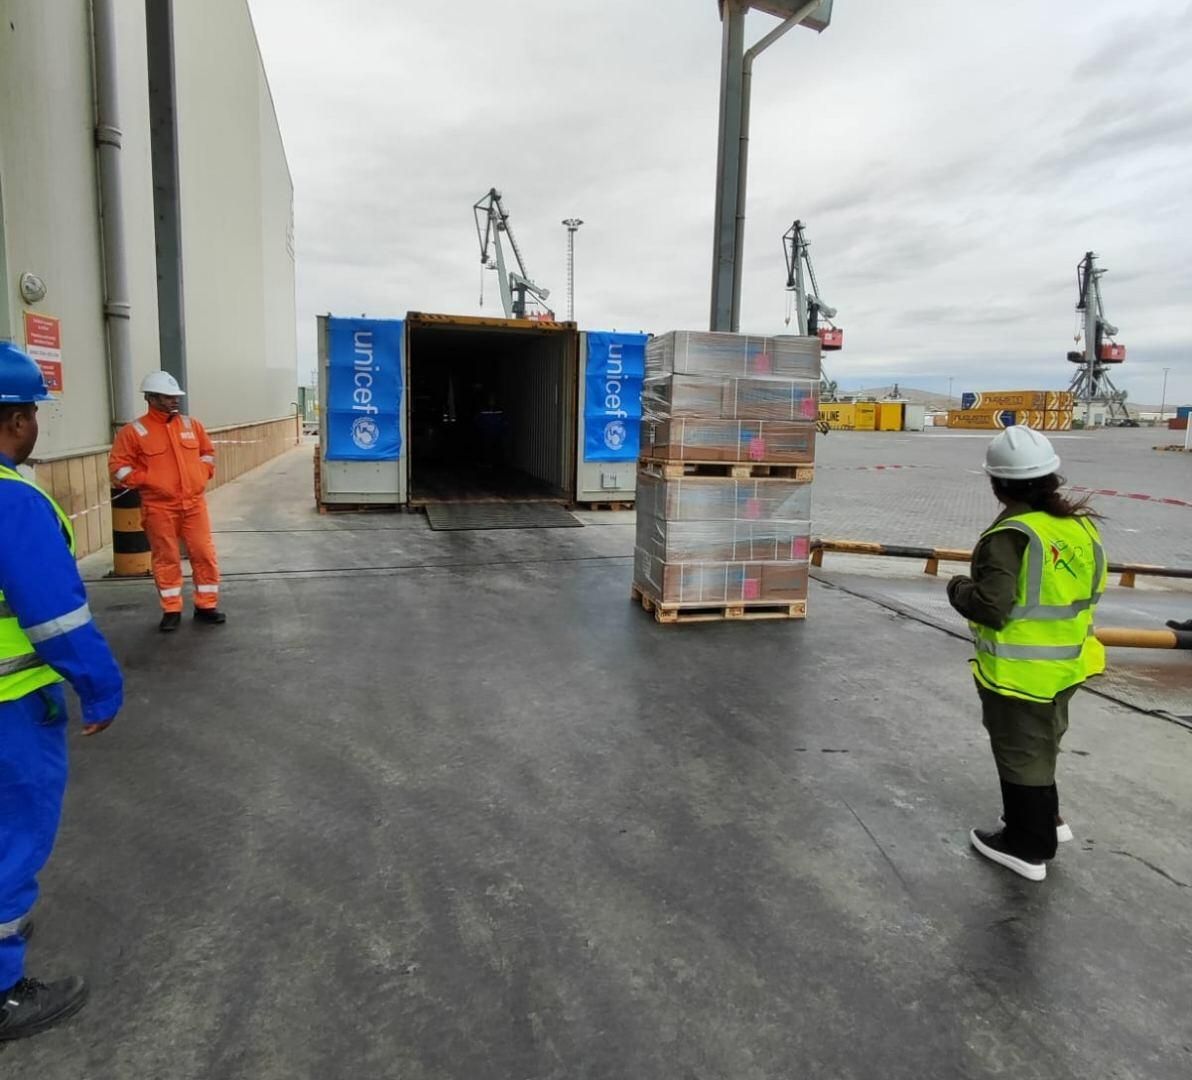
[
  {"x": 1163, "y": 403},
  {"x": 573, "y": 224},
  {"x": 732, "y": 159},
  {"x": 950, "y": 377}
]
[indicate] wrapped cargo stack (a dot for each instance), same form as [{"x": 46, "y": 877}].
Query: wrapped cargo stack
[
  {"x": 1043, "y": 410},
  {"x": 724, "y": 498}
]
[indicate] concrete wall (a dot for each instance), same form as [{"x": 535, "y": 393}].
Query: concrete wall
[
  {"x": 237, "y": 233},
  {"x": 237, "y": 201},
  {"x": 48, "y": 188}
]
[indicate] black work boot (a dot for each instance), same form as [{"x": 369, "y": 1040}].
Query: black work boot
[
  {"x": 32, "y": 1006},
  {"x": 171, "y": 620},
  {"x": 210, "y": 615}
]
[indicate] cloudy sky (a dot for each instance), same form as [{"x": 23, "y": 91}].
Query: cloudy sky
[{"x": 952, "y": 159}]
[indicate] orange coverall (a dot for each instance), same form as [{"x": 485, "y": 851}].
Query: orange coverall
[{"x": 170, "y": 460}]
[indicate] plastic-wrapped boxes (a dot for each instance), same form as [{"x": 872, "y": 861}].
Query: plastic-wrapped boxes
[{"x": 723, "y": 497}]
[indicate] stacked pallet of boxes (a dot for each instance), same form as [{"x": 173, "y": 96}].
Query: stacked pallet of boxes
[
  {"x": 1043, "y": 410},
  {"x": 723, "y": 495}
]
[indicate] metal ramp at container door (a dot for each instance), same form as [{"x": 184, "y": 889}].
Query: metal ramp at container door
[{"x": 498, "y": 514}]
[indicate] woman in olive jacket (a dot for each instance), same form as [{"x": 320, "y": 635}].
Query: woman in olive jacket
[{"x": 1037, "y": 574}]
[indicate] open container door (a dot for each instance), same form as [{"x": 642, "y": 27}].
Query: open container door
[
  {"x": 610, "y": 410},
  {"x": 362, "y": 420},
  {"x": 493, "y": 409}
]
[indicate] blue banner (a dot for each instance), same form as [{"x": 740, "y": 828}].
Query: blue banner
[
  {"x": 613, "y": 396},
  {"x": 364, "y": 388}
]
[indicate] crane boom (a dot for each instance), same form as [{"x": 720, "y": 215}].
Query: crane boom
[
  {"x": 809, "y": 306},
  {"x": 492, "y": 220}
]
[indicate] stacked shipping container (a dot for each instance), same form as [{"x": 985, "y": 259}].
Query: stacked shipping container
[
  {"x": 723, "y": 505},
  {"x": 1043, "y": 410}
]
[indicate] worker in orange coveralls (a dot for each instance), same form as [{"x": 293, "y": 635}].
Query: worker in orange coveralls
[{"x": 169, "y": 459}]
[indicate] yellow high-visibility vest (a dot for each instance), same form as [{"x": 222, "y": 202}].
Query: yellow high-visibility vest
[
  {"x": 1048, "y": 643},
  {"x": 21, "y": 670}
]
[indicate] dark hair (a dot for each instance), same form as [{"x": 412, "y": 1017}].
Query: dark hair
[
  {"x": 1043, "y": 493},
  {"x": 8, "y": 411}
]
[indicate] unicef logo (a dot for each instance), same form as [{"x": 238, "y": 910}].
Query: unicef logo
[
  {"x": 615, "y": 435},
  {"x": 365, "y": 432}
]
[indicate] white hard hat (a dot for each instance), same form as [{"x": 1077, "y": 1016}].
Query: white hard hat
[
  {"x": 161, "y": 382},
  {"x": 1020, "y": 453}
]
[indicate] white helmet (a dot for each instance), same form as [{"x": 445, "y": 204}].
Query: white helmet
[
  {"x": 161, "y": 382},
  {"x": 1020, "y": 453}
]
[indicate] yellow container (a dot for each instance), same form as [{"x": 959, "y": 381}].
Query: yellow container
[
  {"x": 1059, "y": 400},
  {"x": 865, "y": 416},
  {"x": 977, "y": 419},
  {"x": 889, "y": 416},
  {"x": 839, "y": 416}
]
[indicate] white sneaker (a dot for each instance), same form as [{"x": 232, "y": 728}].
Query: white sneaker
[
  {"x": 989, "y": 845},
  {"x": 1063, "y": 831}
]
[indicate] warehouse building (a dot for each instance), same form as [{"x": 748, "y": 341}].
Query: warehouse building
[{"x": 146, "y": 221}]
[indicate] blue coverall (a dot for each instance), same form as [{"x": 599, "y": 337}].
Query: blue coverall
[{"x": 40, "y": 583}]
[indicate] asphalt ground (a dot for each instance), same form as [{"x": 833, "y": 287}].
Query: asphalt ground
[{"x": 448, "y": 805}]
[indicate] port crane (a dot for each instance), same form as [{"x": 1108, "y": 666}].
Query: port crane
[
  {"x": 813, "y": 316},
  {"x": 517, "y": 288},
  {"x": 1092, "y": 382}
]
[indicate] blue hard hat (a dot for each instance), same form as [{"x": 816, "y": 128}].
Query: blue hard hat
[{"x": 20, "y": 378}]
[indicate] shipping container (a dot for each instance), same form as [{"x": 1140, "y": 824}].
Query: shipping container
[
  {"x": 1059, "y": 400},
  {"x": 839, "y": 416},
  {"x": 980, "y": 419},
  {"x": 1005, "y": 399},
  {"x": 488, "y": 409},
  {"x": 865, "y": 416},
  {"x": 914, "y": 417},
  {"x": 609, "y": 420},
  {"x": 493, "y": 408},
  {"x": 1182, "y": 412},
  {"x": 889, "y": 416}
]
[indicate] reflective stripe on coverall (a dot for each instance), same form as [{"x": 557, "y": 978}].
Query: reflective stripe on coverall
[{"x": 170, "y": 460}]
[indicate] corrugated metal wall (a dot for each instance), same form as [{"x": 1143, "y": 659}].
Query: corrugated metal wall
[{"x": 542, "y": 383}]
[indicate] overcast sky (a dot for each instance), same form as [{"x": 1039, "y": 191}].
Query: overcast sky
[{"x": 953, "y": 160}]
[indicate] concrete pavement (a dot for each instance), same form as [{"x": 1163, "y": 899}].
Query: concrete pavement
[{"x": 444, "y": 805}]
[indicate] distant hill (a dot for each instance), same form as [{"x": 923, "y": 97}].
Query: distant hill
[{"x": 939, "y": 402}]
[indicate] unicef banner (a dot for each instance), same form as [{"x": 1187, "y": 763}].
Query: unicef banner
[
  {"x": 613, "y": 396},
  {"x": 364, "y": 389}
]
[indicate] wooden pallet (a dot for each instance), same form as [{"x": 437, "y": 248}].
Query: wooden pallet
[
  {"x": 618, "y": 504},
  {"x": 737, "y": 470},
  {"x": 695, "y": 613}
]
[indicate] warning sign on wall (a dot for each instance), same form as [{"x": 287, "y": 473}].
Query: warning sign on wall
[{"x": 43, "y": 341}]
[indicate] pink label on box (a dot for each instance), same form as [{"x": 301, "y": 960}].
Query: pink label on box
[
  {"x": 809, "y": 408},
  {"x": 757, "y": 449},
  {"x": 753, "y": 509},
  {"x": 800, "y": 547},
  {"x": 751, "y": 588},
  {"x": 761, "y": 363}
]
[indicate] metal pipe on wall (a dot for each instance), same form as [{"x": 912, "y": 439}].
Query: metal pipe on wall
[{"x": 108, "y": 141}]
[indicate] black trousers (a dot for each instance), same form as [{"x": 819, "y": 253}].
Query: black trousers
[
  {"x": 1030, "y": 814},
  {"x": 1025, "y": 738}
]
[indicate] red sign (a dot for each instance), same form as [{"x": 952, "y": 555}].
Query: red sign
[{"x": 43, "y": 342}]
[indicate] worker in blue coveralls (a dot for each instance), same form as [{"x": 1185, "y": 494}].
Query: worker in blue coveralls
[{"x": 46, "y": 636}]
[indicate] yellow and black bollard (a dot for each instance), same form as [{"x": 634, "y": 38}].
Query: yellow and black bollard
[{"x": 130, "y": 545}]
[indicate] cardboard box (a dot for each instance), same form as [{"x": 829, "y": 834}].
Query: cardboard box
[
  {"x": 770, "y": 442},
  {"x": 721, "y": 499},
  {"x": 697, "y": 352},
  {"x": 721, "y": 397},
  {"x": 719, "y": 583}
]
